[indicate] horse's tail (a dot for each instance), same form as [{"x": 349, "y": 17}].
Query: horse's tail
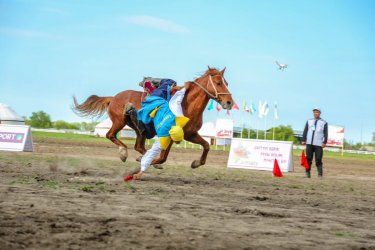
[{"x": 94, "y": 106}]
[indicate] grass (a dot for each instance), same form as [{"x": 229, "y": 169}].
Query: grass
[
  {"x": 40, "y": 135},
  {"x": 337, "y": 155},
  {"x": 89, "y": 138},
  {"x": 87, "y": 188}
]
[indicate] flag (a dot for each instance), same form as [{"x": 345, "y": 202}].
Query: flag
[
  {"x": 276, "y": 169},
  {"x": 266, "y": 109},
  {"x": 211, "y": 105},
  {"x": 260, "y": 108},
  {"x": 235, "y": 106},
  {"x": 245, "y": 107},
  {"x": 263, "y": 109},
  {"x": 304, "y": 162},
  {"x": 218, "y": 107},
  {"x": 128, "y": 178},
  {"x": 275, "y": 112},
  {"x": 252, "y": 108}
]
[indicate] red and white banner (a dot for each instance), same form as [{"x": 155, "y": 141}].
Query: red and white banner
[
  {"x": 260, "y": 154},
  {"x": 335, "y": 136},
  {"x": 224, "y": 128}
]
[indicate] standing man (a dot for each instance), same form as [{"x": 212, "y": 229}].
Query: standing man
[{"x": 315, "y": 136}]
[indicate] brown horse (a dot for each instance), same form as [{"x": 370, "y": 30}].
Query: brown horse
[{"x": 211, "y": 85}]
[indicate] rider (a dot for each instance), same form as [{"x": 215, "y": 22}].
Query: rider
[{"x": 162, "y": 115}]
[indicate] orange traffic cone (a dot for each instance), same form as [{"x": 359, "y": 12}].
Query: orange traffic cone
[{"x": 276, "y": 169}]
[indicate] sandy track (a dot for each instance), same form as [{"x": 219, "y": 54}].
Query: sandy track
[{"x": 71, "y": 196}]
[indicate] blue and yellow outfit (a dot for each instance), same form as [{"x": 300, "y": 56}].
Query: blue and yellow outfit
[{"x": 155, "y": 109}]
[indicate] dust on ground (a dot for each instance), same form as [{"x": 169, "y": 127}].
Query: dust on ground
[{"x": 71, "y": 195}]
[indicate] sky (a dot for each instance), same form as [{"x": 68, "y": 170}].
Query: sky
[{"x": 51, "y": 50}]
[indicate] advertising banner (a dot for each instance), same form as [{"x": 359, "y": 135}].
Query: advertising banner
[
  {"x": 15, "y": 138},
  {"x": 260, "y": 154},
  {"x": 224, "y": 128},
  {"x": 335, "y": 136}
]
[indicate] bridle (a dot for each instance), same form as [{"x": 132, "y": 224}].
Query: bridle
[{"x": 216, "y": 97}]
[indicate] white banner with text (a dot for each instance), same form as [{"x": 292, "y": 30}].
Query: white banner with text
[
  {"x": 260, "y": 154},
  {"x": 15, "y": 138}
]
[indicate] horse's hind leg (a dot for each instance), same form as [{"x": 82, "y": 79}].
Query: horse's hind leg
[{"x": 111, "y": 135}]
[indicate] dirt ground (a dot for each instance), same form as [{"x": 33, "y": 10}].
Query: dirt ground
[{"x": 69, "y": 195}]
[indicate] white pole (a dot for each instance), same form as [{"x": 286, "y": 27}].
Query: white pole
[
  {"x": 273, "y": 128},
  {"x": 248, "y": 136},
  {"x": 265, "y": 128}
]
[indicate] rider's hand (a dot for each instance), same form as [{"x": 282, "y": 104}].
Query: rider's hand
[
  {"x": 138, "y": 176},
  {"x": 323, "y": 145}
]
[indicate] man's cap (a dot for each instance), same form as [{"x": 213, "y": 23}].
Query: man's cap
[{"x": 317, "y": 109}]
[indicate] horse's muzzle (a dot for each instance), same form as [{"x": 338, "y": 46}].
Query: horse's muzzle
[{"x": 227, "y": 105}]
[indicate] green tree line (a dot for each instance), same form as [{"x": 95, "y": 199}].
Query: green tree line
[
  {"x": 282, "y": 133},
  {"x": 41, "y": 119}
]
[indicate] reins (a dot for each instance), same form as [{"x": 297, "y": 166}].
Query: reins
[{"x": 216, "y": 97}]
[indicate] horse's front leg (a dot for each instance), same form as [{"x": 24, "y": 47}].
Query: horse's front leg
[
  {"x": 162, "y": 158},
  {"x": 197, "y": 139}
]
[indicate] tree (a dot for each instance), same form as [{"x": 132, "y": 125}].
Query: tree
[
  {"x": 60, "y": 124},
  {"x": 373, "y": 137},
  {"x": 88, "y": 126},
  {"x": 40, "y": 119},
  {"x": 282, "y": 133}
]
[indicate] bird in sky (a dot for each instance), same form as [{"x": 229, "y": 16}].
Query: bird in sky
[{"x": 281, "y": 66}]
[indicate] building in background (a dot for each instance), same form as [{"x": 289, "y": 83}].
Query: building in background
[
  {"x": 9, "y": 116},
  {"x": 102, "y": 128}
]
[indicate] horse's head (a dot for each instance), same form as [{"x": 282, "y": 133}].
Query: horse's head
[{"x": 216, "y": 87}]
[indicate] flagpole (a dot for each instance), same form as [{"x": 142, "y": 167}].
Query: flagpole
[
  {"x": 242, "y": 125},
  {"x": 273, "y": 128},
  {"x": 248, "y": 136},
  {"x": 265, "y": 128}
]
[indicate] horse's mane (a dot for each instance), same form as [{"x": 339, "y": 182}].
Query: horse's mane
[{"x": 209, "y": 71}]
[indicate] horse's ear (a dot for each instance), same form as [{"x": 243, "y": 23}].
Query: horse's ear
[
  {"x": 223, "y": 70},
  {"x": 208, "y": 66}
]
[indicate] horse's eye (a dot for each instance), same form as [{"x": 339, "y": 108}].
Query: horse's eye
[{"x": 219, "y": 83}]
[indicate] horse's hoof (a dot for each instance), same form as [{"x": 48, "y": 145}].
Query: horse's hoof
[
  {"x": 196, "y": 164},
  {"x": 158, "y": 166},
  {"x": 123, "y": 154},
  {"x": 123, "y": 158},
  {"x": 139, "y": 158}
]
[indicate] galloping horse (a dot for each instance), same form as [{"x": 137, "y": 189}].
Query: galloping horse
[{"x": 211, "y": 85}]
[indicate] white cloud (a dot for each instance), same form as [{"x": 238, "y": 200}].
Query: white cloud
[
  {"x": 25, "y": 33},
  {"x": 55, "y": 11},
  {"x": 157, "y": 23}
]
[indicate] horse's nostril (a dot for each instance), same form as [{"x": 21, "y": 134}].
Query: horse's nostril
[{"x": 229, "y": 103}]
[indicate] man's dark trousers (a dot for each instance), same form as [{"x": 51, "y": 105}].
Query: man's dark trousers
[{"x": 310, "y": 150}]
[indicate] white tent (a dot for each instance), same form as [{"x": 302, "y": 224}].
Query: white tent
[
  {"x": 102, "y": 128},
  {"x": 9, "y": 116}
]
